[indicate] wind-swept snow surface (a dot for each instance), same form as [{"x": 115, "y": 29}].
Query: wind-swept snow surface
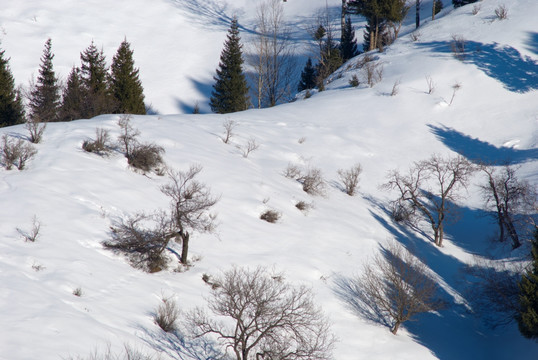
[{"x": 76, "y": 196}]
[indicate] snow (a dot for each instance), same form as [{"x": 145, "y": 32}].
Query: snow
[{"x": 77, "y": 196}]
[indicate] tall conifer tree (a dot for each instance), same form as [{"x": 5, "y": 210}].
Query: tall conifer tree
[
  {"x": 44, "y": 102},
  {"x": 95, "y": 80},
  {"x": 527, "y": 317},
  {"x": 126, "y": 86},
  {"x": 11, "y": 107},
  {"x": 230, "y": 91},
  {"x": 73, "y": 97},
  {"x": 308, "y": 77},
  {"x": 348, "y": 44}
]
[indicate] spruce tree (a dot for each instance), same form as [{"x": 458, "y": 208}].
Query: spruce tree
[
  {"x": 230, "y": 91},
  {"x": 95, "y": 80},
  {"x": 125, "y": 83},
  {"x": 73, "y": 97},
  {"x": 44, "y": 101},
  {"x": 527, "y": 318},
  {"x": 308, "y": 77},
  {"x": 11, "y": 107},
  {"x": 348, "y": 44}
]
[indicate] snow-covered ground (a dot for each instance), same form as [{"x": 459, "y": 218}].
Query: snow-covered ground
[{"x": 76, "y": 195}]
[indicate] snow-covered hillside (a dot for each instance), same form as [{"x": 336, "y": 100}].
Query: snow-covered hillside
[{"x": 77, "y": 195}]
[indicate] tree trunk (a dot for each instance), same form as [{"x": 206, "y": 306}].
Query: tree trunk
[
  {"x": 395, "y": 328},
  {"x": 512, "y": 231},
  {"x": 433, "y": 10},
  {"x": 184, "y": 247},
  {"x": 343, "y": 18},
  {"x": 417, "y": 14}
]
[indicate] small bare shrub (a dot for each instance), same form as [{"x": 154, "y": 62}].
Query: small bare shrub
[
  {"x": 146, "y": 157},
  {"x": 167, "y": 315},
  {"x": 501, "y": 12},
  {"x": 101, "y": 144},
  {"x": 77, "y": 292},
  {"x": 16, "y": 152},
  {"x": 303, "y": 206},
  {"x": 458, "y": 46},
  {"x": 251, "y": 146},
  {"x": 36, "y": 130},
  {"x": 350, "y": 178},
  {"x": 38, "y": 267},
  {"x": 313, "y": 182},
  {"x": 476, "y": 9},
  {"x": 354, "y": 81},
  {"x": 374, "y": 72},
  {"x": 33, "y": 233},
  {"x": 455, "y": 88},
  {"x": 271, "y": 216},
  {"x": 307, "y": 94},
  {"x": 395, "y": 88},
  {"x": 292, "y": 171},
  {"x": 229, "y": 126},
  {"x": 107, "y": 354},
  {"x": 431, "y": 84},
  {"x": 415, "y": 35},
  {"x": 301, "y": 140}
]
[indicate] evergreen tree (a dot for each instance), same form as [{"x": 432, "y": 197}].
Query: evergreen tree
[
  {"x": 73, "y": 97},
  {"x": 527, "y": 317},
  {"x": 458, "y": 3},
  {"x": 11, "y": 107},
  {"x": 348, "y": 44},
  {"x": 95, "y": 80},
  {"x": 126, "y": 86},
  {"x": 230, "y": 91},
  {"x": 308, "y": 77},
  {"x": 44, "y": 101}
]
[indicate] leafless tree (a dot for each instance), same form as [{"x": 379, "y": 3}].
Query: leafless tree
[
  {"x": 190, "y": 202},
  {"x": 264, "y": 317},
  {"x": 393, "y": 288},
  {"x": 509, "y": 197},
  {"x": 128, "y": 135},
  {"x": 100, "y": 145},
  {"x": 15, "y": 152},
  {"x": 429, "y": 189},
  {"x": 229, "y": 126},
  {"x": 249, "y": 147},
  {"x": 273, "y": 60},
  {"x": 167, "y": 314},
  {"x": 33, "y": 233}
]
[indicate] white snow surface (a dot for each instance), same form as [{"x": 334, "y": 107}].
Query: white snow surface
[{"x": 77, "y": 196}]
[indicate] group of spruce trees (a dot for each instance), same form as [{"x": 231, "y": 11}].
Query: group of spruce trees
[{"x": 91, "y": 89}]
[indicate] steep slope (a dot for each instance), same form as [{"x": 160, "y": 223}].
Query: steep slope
[{"x": 77, "y": 196}]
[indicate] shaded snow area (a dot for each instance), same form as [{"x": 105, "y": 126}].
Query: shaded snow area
[{"x": 76, "y": 196}]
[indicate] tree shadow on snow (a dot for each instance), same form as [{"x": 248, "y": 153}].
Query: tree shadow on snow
[
  {"x": 532, "y": 43},
  {"x": 177, "y": 345},
  {"x": 479, "y": 151},
  {"x": 452, "y": 333},
  {"x": 506, "y": 64}
]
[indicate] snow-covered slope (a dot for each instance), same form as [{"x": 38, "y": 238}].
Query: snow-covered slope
[{"x": 76, "y": 195}]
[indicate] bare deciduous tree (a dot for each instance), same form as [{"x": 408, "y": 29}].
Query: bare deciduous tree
[
  {"x": 264, "y": 317},
  {"x": 273, "y": 58},
  {"x": 509, "y": 197},
  {"x": 36, "y": 129},
  {"x": 229, "y": 126},
  {"x": 393, "y": 288},
  {"x": 128, "y": 135},
  {"x": 190, "y": 202},
  {"x": 429, "y": 189},
  {"x": 15, "y": 152}
]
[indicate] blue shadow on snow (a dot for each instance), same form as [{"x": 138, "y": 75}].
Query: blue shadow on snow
[
  {"x": 479, "y": 151},
  {"x": 506, "y": 64}
]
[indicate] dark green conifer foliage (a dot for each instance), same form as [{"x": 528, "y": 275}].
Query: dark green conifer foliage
[
  {"x": 126, "y": 86},
  {"x": 458, "y": 3},
  {"x": 95, "y": 80},
  {"x": 348, "y": 44},
  {"x": 230, "y": 91},
  {"x": 527, "y": 317},
  {"x": 73, "y": 97},
  {"x": 11, "y": 107},
  {"x": 308, "y": 77},
  {"x": 44, "y": 100}
]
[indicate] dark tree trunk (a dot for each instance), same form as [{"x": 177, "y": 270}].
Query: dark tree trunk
[
  {"x": 184, "y": 247},
  {"x": 417, "y": 14}
]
